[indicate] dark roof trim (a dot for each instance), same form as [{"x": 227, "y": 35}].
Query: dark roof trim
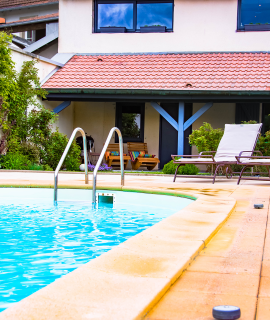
[
  {"x": 20, "y": 23},
  {"x": 20, "y": 7},
  {"x": 156, "y": 95}
]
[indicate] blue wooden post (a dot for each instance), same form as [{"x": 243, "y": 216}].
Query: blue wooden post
[
  {"x": 181, "y": 117},
  {"x": 181, "y": 126}
]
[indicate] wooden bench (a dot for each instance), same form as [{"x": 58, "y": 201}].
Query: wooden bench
[
  {"x": 114, "y": 161},
  {"x": 149, "y": 163}
]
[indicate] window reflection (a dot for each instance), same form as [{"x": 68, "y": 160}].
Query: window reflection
[
  {"x": 151, "y": 14},
  {"x": 255, "y": 11},
  {"x": 131, "y": 123},
  {"x": 115, "y": 15}
]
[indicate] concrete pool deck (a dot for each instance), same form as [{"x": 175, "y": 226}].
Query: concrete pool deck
[{"x": 215, "y": 251}]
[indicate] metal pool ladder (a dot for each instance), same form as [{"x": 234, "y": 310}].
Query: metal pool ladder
[
  {"x": 86, "y": 162},
  {"x": 101, "y": 158},
  {"x": 64, "y": 156}
]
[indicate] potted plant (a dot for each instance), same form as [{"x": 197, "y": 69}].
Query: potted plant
[
  {"x": 154, "y": 28},
  {"x": 257, "y": 27},
  {"x": 112, "y": 29}
]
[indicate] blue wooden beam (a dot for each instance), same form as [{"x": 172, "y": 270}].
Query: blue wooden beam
[
  {"x": 61, "y": 106},
  {"x": 181, "y": 126},
  {"x": 181, "y": 117},
  {"x": 197, "y": 115},
  {"x": 165, "y": 115}
]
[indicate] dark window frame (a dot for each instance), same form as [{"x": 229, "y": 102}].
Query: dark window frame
[
  {"x": 239, "y": 16},
  {"x": 239, "y": 28},
  {"x": 135, "y": 2},
  {"x": 118, "y": 119}
]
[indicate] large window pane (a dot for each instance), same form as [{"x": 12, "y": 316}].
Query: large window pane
[
  {"x": 255, "y": 11},
  {"x": 115, "y": 15},
  {"x": 151, "y": 14}
]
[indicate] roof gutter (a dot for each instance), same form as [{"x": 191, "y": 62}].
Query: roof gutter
[
  {"x": 156, "y": 95},
  {"x": 28, "y": 6}
]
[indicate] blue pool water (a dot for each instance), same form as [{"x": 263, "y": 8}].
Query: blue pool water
[{"x": 40, "y": 242}]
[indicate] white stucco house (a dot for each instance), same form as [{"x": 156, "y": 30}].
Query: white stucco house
[{"x": 173, "y": 63}]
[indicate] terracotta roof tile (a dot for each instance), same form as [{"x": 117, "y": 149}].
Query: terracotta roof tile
[
  {"x": 21, "y": 3},
  {"x": 202, "y": 71}
]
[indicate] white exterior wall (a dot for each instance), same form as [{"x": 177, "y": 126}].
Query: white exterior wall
[
  {"x": 95, "y": 118},
  {"x": 199, "y": 25},
  {"x": 44, "y": 68},
  {"x": 151, "y": 129},
  {"x": 65, "y": 121}
]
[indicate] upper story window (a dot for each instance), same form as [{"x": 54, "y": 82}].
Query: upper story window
[
  {"x": 133, "y": 16},
  {"x": 254, "y": 15}
]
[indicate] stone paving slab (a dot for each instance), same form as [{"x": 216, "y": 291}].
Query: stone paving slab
[{"x": 229, "y": 270}]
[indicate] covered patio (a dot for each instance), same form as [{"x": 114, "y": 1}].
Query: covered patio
[{"x": 171, "y": 93}]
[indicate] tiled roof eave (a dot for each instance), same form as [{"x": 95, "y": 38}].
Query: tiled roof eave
[{"x": 166, "y": 74}]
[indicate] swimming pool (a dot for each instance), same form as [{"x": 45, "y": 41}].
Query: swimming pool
[{"x": 40, "y": 242}]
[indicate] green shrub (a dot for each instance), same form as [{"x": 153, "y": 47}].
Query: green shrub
[
  {"x": 15, "y": 161},
  {"x": 54, "y": 147},
  {"x": 73, "y": 161},
  {"x": 206, "y": 138},
  {"x": 30, "y": 150},
  {"x": 46, "y": 167},
  {"x": 188, "y": 169},
  {"x": 40, "y": 167}
]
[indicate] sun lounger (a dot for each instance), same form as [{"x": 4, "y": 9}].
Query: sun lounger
[
  {"x": 114, "y": 160},
  {"x": 236, "y": 138},
  {"x": 248, "y": 159},
  {"x": 137, "y": 161}
]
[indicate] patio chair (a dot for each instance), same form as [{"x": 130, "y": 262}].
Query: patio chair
[
  {"x": 236, "y": 139},
  {"x": 249, "y": 161},
  {"x": 137, "y": 152},
  {"x": 114, "y": 160}
]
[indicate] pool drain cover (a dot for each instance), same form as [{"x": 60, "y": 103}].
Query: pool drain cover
[{"x": 226, "y": 313}]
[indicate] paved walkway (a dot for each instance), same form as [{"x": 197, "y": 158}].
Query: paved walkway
[{"x": 233, "y": 268}]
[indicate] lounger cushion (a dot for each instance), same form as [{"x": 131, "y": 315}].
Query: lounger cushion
[
  {"x": 194, "y": 160},
  {"x": 237, "y": 138},
  {"x": 146, "y": 155},
  {"x": 134, "y": 154},
  {"x": 115, "y": 153},
  {"x": 263, "y": 161}
]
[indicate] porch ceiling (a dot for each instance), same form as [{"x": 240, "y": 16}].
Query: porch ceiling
[{"x": 180, "y": 74}]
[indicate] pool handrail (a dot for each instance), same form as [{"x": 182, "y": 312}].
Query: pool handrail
[
  {"x": 64, "y": 156},
  {"x": 102, "y": 156}
]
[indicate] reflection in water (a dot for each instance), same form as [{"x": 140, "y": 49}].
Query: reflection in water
[{"x": 115, "y": 15}]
